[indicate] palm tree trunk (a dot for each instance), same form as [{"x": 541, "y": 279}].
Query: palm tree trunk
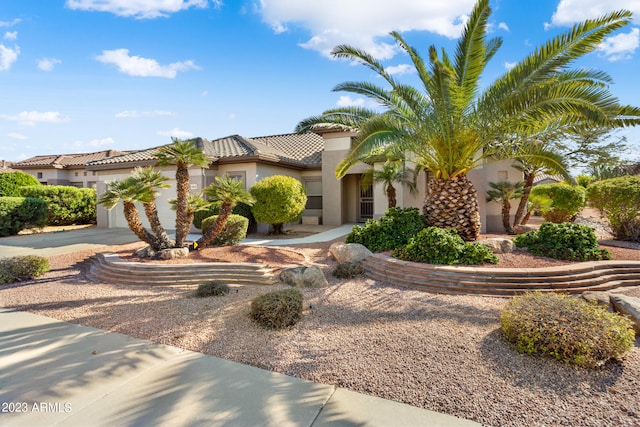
[
  {"x": 522, "y": 207},
  {"x": 223, "y": 215},
  {"x": 151, "y": 210},
  {"x": 506, "y": 213},
  {"x": 453, "y": 203},
  {"x": 133, "y": 219},
  {"x": 182, "y": 205},
  {"x": 391, "y": 196}
]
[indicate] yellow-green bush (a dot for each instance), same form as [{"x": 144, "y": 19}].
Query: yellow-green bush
[
  {"x": 618, "y": 199},
  {"x": 566, "y": 328},
  {"x": 20, "y": 268},
  {"x": 558, "y": 202},
  {"x": 234, "y": 231}
]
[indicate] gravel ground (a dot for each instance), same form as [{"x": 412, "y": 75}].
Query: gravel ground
[{"x": 443, "y": 353}]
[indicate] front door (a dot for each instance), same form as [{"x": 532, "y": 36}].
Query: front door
[{"x": 365, "y": 202}]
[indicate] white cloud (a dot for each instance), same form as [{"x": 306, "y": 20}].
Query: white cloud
[
  {"x": 509, "y": 65},
  {"x": 401, "y": 69},
  {"x": 16, "y": 135},
  {"x": 30, "y": 118},
  {"x": 571, "y": 11},
  {"x": 47, "y": 64},
  {"x": 362, "y": 22},
  {"x": 10, "y": 23},
  {"x": 138, "y": 114},
  {"x": 503, "y": 26},
  {"x": 176, "y": 133},
  {"x": 621, "y": 46},
  {"x": 143, "y": 67},
  {"x": 139, "y": 9},
  {"x": 347, "y": 101},
  {"x": 8, "y": 56},
  {"x": 95, "y": 143},
  {"x": 11, "y": 35}
]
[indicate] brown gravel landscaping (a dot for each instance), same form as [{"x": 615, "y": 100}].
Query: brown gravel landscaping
[{"x": 443, "y": 353}]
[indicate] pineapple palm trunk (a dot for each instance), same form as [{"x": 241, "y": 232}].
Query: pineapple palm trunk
[
  {"x": 223, "y": 215},
  {"x": 453, "y": 203},
  {"x": 520, "y": 217},
  {"x": 391, "y": 196},
  {"x": 183, "y": 223},
  {"x": 135, "y": 224},
  {"x": 506, "y": 214},
  {"x": 151, "y": 210}
]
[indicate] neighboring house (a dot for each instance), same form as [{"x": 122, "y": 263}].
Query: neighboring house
[
  {"x": 64, "y": 169},
  {"x": 544, "y": 178},
  {"x": 311, "y": 158},
  {"x": 5, "y": 166}
]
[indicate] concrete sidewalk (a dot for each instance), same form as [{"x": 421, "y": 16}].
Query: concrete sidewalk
[{"x": 58, "y": 373}]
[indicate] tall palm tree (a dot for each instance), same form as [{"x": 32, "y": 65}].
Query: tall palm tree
[
  {"x": 129, "y": 191},
  {"x": 152, "y": 181},
  {"x": 451, "y": 126},
  {"x": 392, "y": 172},
  {"x": 503, "y": 192},
  {"x": 195, "y": 203},
  {"x": 227, "y": 192},
  {"x": 183, "y": 154}
]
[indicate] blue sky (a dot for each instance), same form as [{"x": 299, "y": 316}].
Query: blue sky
[{"x": 88, "y": 75}]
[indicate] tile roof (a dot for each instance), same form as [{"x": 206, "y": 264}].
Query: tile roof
[
  {"x": 301, "y": 150},
  {"x": 61, "y": 161},
  {"x": 5, "y": 166}
]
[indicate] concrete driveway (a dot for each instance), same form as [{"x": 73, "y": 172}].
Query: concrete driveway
[{"x": 56, "y": 243}]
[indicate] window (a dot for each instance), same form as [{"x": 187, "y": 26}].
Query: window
[
  {"x": 85, "y": 174},
  {"x": 503, "y": 175},
  {"x": 238, "y": 176},
  {"x": 76, "y": 173},
  {"x": 314, "y": 193},
  {"x": 39, "y": 175}
]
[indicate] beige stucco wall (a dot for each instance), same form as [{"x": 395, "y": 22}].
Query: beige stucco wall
[
  {"x": 495, "y": 172},
  {"x": 51, "y": 176}
]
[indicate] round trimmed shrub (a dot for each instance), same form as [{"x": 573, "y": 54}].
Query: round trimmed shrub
[
  {"x": 21, "y": 268},
  {"x": 569, "y": 241},
  {"x": 392, "y": 231},
  {"x": 558, "y": 202},
  {"x": 566, "y": 328},
  {"x": 19, "y": 213},
  {"x": 618, "y": 199},
  {"x": 234, "y": 231},
  {"x": 436, "y": 245},
  {"x": 239, "y": 209},
  {"x": 279, "y": 199},
  {"x": 212, "y": 289},
  {"x": 277, "y": 309},
  {"x": 11, "y": 183}
]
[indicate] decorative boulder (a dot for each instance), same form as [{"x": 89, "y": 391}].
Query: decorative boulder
[
  {"x": 498, "y": 245},
  {"x": 172, "y": 253},
  {"x": 349, "y": 252},
  {"x": 521, "y": 229},
  {"x": 628, "y": 306},
  {"x": 304, "y": 277},
  {"x": 599, "y": 298}
]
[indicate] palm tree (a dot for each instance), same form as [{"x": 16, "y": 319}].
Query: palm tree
[
  {"x": 452, "y": 126},
  {"x": 152, "y": 180},
  {"x": 227, "y": 192},
  {"x": 195, "y": 203},
  {"x": 183, "y": 154},
  {"x": 129, "y": 191},
  {"x": 503, "y": 192},
  {"x": 393, "y": 171}
]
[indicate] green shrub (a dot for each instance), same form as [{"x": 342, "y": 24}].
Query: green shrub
[
  {"x": 348, "y": 270},
  {"x": 566, "y": 328},
  {"x": 20, "y": 268},
  {"x": 558, "y": 202},
  {"x": 12, "y": 182},
  {"x": 66, "y": 205},
  {"x": 618, "y": 199},
  {"x": 212, "y": 289},
  {"x": 234, "y": 231},
  {"x": 239, "y": 209},
  {"x": 391, "y": 231},
  {"x": 584, "y": 180},
  {"x": 279, "y": 200},
  {"x": 573, "y": 242},
  {"x": 277, "y": 309},
  {"x": 18, "y": 213},
  {"x": 435, "y": 245}
]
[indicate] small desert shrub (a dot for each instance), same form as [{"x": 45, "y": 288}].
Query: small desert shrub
[
  {"x": 566, "y": 328},
  {"x": 234, "y": 231},
  {"x": 20, "y": 268},
  {"x": 392, "y": 231},
  {"x": 435, "y": 245},
  {"x": 573, "y": 242},
  {"x": 618, "y": 199},
  {"x": 212, "y": 289},
  {"x": 277, "y": 309},
  {"x": 348, "y": 270}
]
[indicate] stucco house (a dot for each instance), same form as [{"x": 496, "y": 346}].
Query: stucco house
[
  {"x": 311, "y": 158},
  {"x": 64, "y": 169}
]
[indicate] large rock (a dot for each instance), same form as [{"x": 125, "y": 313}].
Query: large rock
[
  {"x": 498, "y": 245},
  {"x": 598, "y": 297},
  {"x": 628, "y": 306},
  {"x": 172, "y": 253},
  {"x": 521, "y": 229},
  {"x": 304, "y": 277},
  {"x": 349, "y": 252}
]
